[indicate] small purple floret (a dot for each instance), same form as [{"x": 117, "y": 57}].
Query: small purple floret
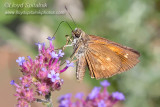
[
  {"x": 118, "y": 95},
  {"x": 12, "y": 82},
  {"x": 79, "y": 95},
  {"x": 69, "y": 64},
  {"x": 68, "y": 96},
  {"x": 102, "y": 104},
  {"x": 105, "y": 83},
  {"x": 60, "y": 54},
  {"x": 53, "y": 76},
  {"x": 51, "y": 38},
  {"x": 64, "y": 103},
  {"x": 28, "y": 57},
  {"x": 54, "y": 55},
  {"x": 43, "y": 69},
  {"x": 20, "y": 60},
  {"x": 63, "y": 97},
  {"x": 94, "y": 92},
  {"x": 39, "y": 45}
]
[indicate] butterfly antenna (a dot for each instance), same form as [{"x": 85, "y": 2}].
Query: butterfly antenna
[
  {"x": 70, "y": 16},
  {"x": 60, "y": 24}
]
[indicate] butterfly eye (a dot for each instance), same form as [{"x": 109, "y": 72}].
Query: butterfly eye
[{"x": 77, "y": 35}]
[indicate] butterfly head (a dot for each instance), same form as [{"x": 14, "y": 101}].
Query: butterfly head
[{"x": 77, "y": 33}]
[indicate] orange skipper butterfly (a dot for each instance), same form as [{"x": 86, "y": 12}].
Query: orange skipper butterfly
[{"x": 103, "y": 57}]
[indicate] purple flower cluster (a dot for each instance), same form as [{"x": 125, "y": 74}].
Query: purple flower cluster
[
  {"x": 40, "y": 76},
  {"x": 97, "y": 98}
]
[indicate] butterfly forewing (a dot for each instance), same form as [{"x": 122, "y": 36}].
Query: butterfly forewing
[
  {"x": 102, "y": 61},
  {"x": 128, "y": 56}
]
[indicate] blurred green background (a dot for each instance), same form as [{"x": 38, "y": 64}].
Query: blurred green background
[{"x": 134, "y": 23}]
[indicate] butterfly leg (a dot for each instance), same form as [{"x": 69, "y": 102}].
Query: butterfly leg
[
  {"x": 70, "y": 60},
  {"x": 67, "y": 42},
  {"x": 73, "y": 56},
  {"x": 75, "y": 60}
]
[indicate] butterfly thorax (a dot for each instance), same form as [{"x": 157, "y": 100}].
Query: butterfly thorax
[{"x": 80, "y": 39}]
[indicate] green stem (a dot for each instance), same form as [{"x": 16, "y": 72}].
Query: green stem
[
  {"x": 50, "y": 104},
  {"x": 47, "y": 101}
]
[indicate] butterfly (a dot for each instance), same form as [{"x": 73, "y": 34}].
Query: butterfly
[{"x": 103, "y": 57}]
